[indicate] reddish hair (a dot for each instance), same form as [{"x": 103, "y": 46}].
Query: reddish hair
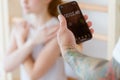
[{"x": 52, "y": 8}]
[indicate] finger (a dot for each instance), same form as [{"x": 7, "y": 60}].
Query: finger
[
  {"x": 53, "y": 32},
  {"x": 56, "y": 27},
  {"x": 89, "y": 23},
  {"x": 25, "y": 26},
  {"x": 63, "y": 23},
  {"x": 45, "y": 29},
  {"x": 50, "y": 37},
  {"x": 92, "y": 30},
  {"x": 85, "y": 17},
  {"x": 28, "y": 27},
  {"x": 23, "y": 23}
]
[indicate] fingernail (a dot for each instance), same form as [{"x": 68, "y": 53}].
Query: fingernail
[{"x": 60, "y": 18}]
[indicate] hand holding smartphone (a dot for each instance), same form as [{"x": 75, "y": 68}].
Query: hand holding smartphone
[{"x": 75, "y": 21}]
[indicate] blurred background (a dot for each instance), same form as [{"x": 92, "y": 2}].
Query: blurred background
[{"x": 105, "y": 15}]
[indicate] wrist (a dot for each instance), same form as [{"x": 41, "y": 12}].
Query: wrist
[
  {"x": 64, "y": 49},
  {"x": 34, "y": 41},
  {"x": 31, "y": 44},
  {"x": 70, "y": 52},
  {"x": 20, "y": 43}
]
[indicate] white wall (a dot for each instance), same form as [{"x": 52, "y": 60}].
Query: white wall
[{"x": 99, "y": 2}]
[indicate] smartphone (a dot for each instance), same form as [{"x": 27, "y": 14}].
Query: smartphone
[{"x": 75, "y": 21}]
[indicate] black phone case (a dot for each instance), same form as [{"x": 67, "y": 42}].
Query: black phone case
[{"x": 75, "y": 21}]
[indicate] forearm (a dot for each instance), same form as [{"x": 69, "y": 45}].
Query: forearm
[
  {"x": 89, "y": 68},
  {"x": 40, "y": 66},
  {"x": 17, "y": 57},
  {"x": 29, "y": 66},
  {"x": 35, "y": 69}
]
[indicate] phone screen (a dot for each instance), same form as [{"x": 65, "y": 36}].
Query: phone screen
[{"x": 75, "y": 21}]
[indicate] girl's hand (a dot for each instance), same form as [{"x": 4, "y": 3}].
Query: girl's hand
[
  {"x": 44, "y": 35},
  {"x": 21, "y": 30}
]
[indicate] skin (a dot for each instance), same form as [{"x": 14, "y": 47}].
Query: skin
[
  {"x": 87, "y": 68},
  {"x": 20, "y": 49}
]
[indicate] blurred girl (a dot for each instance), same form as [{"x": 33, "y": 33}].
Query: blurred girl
[{"x": 34, "y": 45}]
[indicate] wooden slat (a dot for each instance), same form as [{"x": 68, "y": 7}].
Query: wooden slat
[
  {"x": 93, "y": 7},
  {"x": 100, "y": 37}
]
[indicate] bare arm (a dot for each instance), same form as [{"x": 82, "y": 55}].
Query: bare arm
[
  {"x": 14, "y": 58},
  {"x": 14, "y": 55},
  {"x": 45, "y": 61},
  {"x": 20, "y": 49}
]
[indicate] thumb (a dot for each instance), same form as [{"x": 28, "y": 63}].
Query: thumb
[{"x": 63, "y": 23}]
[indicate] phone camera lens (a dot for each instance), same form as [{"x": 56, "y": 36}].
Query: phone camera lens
[{"x": 61, "y": 7}]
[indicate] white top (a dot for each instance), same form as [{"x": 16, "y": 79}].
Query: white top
[
  {"x": 116, "y": 52},
  {"x": 57, "y": 71}
]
